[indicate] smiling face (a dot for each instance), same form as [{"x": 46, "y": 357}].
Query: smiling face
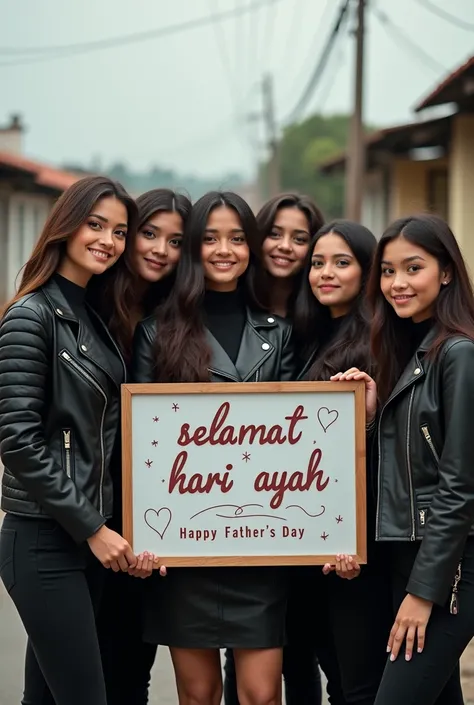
[
  {"x": 158, "y": 246},
  {"x": 335, "y": 276},
  {"x": 97, "y": 244},
  {"x": 285, "y": 248},
  {"x": 411, "y": 279},
  {"x": 225, "y": 253}
]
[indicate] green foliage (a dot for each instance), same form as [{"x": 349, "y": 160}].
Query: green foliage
[{"x": 303, "y": 147}]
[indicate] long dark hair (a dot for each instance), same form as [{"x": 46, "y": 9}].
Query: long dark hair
[
  {"x": 70, "y": 211},
  {"x": 114, "y": 294},
  {"x": 350, "y": 347},
  {"x": 182, "y": 354},
  {"x": 453, "y": 310},
  {"x": 265, "y": 221}
]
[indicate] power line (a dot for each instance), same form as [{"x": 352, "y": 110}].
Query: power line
[
  {"x": 59, "y": 51},
  {"x": 268, "y": 35},
  {"x": 456, "y": 21},
  {"x": 402, "y": 37},
  {"x": 320, "y": 66}
]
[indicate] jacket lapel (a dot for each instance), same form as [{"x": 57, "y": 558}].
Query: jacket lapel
[
  {"x": 414, "y": 370},
  {"x": 255, "y": 348},
  {"x": 86, "y": 343},
  {"x": 221, "y": 364}
]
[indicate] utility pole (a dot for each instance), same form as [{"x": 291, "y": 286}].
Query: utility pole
[
  {"x": 356, "y": 154},
  {"x": 273, "y": 176}
]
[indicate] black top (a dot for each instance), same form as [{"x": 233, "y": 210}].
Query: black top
[
  {"x": 224, "y": 316},
  {"x": 417, "y": 334},
  {"x": 75, "y": 296}
]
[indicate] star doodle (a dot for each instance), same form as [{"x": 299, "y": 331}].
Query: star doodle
[
  {"x": 175, "y": 407},
  {"x": 339, "y": 519},
  {"x": 148, "y": 463},
  {"x": 156, "y": 419},
  {"x": 154, "y": 443},
  {"x": 336, "y": 480},
  {"x": 324, "y": 536},
  {"x": 246, "y": 457}
]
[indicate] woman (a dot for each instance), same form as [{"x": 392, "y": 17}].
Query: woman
[
  {"x": 141, "y": 280},
  {"x": 332, "y": 302},
  {"x": 423, "y": 344},
  {"x": 218, "y": 331},
  {"x": 60, "y": 376},
  {"x": 287, "y": 223}
]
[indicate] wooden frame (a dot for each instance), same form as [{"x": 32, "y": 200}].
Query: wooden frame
[{"x": 358, "y": 388}]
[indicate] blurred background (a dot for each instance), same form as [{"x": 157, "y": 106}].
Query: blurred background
[{"x": 365, "y": 105}]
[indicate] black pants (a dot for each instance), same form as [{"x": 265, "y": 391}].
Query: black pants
[
  {"x": 55, "y": 585},
  {"x": 120, "y": 628},
  {"x": 432, "y": 676}
]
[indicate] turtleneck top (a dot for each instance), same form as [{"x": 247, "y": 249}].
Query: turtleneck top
[{"x": 224, "y": 316}]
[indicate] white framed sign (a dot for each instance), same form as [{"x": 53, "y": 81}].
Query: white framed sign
[{"x": 245, "y": 473}]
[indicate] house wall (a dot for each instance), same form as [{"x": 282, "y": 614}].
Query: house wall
[
  {"x": 410, "y": 190},
  {"x": 461, "y": 184},
  {"x": 23, "y": 216},
  {"x": 375, "y": 201}
]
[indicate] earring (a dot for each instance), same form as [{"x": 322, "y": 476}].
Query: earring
[{"x": 444, "y": 283}]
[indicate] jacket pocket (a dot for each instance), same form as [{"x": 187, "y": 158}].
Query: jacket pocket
[
  {"x": 7, "y": 554},
  {"x": 67, "y": 451},
  {"x": 427, "y": 436},
  {"x": 422, "y": 509}
]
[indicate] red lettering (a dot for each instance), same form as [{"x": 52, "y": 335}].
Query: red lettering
[
  {"x": 293, "y": 419},
  {"x": 220, "y": 434},
  {"x": 184, "y": 438},
  {"x": 197, "y": 483},
  {"x": 280, "y": 483}
]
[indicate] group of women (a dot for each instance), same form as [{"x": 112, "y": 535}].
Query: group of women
[{"x": 160, "y": 290}]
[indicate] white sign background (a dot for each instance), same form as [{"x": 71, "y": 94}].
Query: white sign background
[{"x": 241, "y": 522}]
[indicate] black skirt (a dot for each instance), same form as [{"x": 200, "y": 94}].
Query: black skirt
[{"x": 213, "y": 608}]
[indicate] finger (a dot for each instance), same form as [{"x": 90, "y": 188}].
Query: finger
[
  {"x": 106, "y": 565},
  {"x": 136, "y": 570},
  {"x": 147, "y": 567},
  {"x": 338, "y": 564},
  {"x": 398, "y": 641},
  {"x": 409, "y": 642},
  {"x": 421, "y": 638},
  {"x": 122, "y": 561},
  {"x": 335, "y": 377},
  {"x": 115, "y": 566},
  {"x": 130, "y": 557},
  {"x": 163, "y": 571},
  {"x": 391, "y": 636},
  {"x": 327, "y": 568},
  {"x": 344, "y": 565}
]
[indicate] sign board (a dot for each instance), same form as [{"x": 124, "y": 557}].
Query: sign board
[{"x": 245, "y": 473}]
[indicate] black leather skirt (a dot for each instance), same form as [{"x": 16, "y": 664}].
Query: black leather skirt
[{"x": 213, "y": 608}]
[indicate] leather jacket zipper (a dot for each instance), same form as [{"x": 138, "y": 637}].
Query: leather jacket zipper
[
  {"x": 67, "y": 450},
  {"x": 453, "y": 604},
  {"x": 422, "y": 514},
  {"x": 426, "y": 434},
  {"x": 410, "y": 476},
  {"x": 84, "y": 373}
]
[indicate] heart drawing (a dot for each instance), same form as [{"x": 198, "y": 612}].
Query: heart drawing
[
  {"x": 158, "y": 520},
  {"x": 326, "y": 418}
]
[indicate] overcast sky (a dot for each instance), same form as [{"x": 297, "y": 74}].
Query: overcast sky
[{"x": 178, "y": 101}]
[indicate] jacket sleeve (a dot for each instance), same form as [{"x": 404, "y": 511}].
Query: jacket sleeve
[
  {"x": 451, "y": 512},
  {"x": 288, "y": 367},
  {"x": 24, "y": 365},
  {"x": 143, "y": 355}
]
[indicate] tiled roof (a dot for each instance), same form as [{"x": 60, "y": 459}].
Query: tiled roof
[{"x": 43, "y": 174}]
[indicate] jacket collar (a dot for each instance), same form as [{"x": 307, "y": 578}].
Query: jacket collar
[
  {"x": 414, "y": 370},
  {"x": 255, "y": 348},
  {"x": 86, "y": 344}
]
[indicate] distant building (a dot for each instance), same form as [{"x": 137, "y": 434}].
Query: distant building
[
  {"x": 426, "y": 165},
  {"x": 28, "y": 189}
]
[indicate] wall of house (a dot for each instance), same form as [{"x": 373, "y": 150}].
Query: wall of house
[
  {"x": 375, "y": 201},
  {"x": 411, "y": 186},
  {"x": 461, "y": 182},
  {"x": 22, "y": 217}
]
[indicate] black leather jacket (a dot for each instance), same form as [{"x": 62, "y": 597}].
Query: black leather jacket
[
  {"x": 59, "y": 415},
  {"x": 265, "y": 354},
  {"x": 426, "y": 464}
]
